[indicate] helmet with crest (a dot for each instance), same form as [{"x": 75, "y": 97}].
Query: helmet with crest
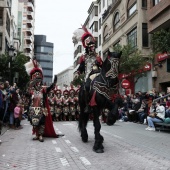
[
  {"x": 57, "y": 90},
  {"x": 34, "y": 69},
  {"x": 72, "y": 91},
  {"x": 85, "y": 36}
]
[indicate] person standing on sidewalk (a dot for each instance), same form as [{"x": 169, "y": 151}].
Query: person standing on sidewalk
[{"x": 39, "y": 111}]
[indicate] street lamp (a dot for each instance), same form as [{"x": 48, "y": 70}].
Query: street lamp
[{"x": 11, "y": 57}]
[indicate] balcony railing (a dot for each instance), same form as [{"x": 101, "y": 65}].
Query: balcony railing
[
  {"x": 28, "y": 46},
  {"x": 29, "y": 14},
  {"x": 28, "y": 39},
  {"x": 30, "y": 6}
]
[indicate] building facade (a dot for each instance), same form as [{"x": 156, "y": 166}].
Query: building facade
[
  {"x": 5, "y": 25},
  {"x": 28, "y": 26},
  {"x": 65, "y": 77},
  {"x": 159, "y": 18},
  {"x": 44, "y": 55}
]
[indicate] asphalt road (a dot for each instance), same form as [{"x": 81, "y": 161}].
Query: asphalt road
[{"x": 128, "y": 146}]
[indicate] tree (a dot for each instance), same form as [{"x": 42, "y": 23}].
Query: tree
[
  {"x": 161, "y": 41},
  {"x": 17, "y": 65}
]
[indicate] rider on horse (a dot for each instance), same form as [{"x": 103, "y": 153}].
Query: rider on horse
[{"x": 90, "y": 63}]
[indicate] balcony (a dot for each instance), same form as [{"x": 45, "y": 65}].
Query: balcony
[
  {"x": 28, "y": 47},
  {"x": 30, "y": 6},
  {"x": 29, "y": 23},
  {"x": 28, "y": 39},
  {"x": 110, "y": 8},
  {"x": 29, "y": 15},
  {"x": 158, "y": 9},
  {"x": 29, "y": 31}
]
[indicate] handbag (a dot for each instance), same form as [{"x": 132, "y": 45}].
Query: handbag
[{"x": 152, "y": 115}]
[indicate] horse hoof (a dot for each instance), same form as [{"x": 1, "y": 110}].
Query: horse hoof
[
  {"x": 98, "y": 150},
  {"x": 84, "y": 140}
]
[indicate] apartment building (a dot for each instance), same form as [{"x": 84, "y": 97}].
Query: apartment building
[
  {"x": 125, "y": 22},
  {"x": 28, "y": 26},
  {"x": 65, "y": 77},
  {"x": 44, "y": 56},
  {"x": 5, "y": 25},
  {"x": 159, "y": 18}
]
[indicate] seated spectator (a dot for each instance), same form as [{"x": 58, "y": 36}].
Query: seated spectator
[
  {"x": 123, "y": 111},
  {"x": 167, "y": 112},
  {"x": 142, "y": 112},
  {"x": 155, "y": 116},
  {"x": 132, "y": 113}
]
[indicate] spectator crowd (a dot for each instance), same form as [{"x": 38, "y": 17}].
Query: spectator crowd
[{"x": 12, "y": 105}]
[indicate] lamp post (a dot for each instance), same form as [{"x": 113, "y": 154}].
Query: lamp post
[{"x": 11, "y": 56}]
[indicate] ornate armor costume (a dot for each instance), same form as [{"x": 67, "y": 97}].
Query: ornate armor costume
[
  {"x": 51, "y": 103},
  {"x": 40, "y": 116},
  {"x": 90, "y": 62},
  {"x": 66, "y": 103},
  {"x": 58, "y": 104},
  {"x": 72, "y": 102}
]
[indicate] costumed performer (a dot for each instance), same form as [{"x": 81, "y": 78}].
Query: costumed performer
[
  {"x": 39, "y": 111},
  {"x": 90, "y": 62}
]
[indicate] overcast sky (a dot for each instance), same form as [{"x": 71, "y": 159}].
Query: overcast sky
[{"x": 58, "y": 20}]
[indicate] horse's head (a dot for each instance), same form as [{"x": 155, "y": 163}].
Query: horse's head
[{"x": 111, "y": 64}]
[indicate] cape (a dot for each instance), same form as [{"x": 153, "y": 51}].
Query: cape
[{"x": 49, "y": 128}]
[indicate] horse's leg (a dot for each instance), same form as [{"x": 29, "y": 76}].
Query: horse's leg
[
  {"x": 83, "y": 119},
  {"x": 98, "y": 146}
]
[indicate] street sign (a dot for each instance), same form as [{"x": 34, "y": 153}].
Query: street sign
[{"x": 125, "y": 84}]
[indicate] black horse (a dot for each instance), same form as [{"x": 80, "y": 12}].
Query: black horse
[{"x": 102, "y": 88}]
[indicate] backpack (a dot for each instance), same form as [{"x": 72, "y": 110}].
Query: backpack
[{"x": 167, "y": 120}]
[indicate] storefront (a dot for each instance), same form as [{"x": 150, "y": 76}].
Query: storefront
[{"x": 130, "y": 84}]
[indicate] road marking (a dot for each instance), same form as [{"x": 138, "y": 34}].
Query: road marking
[
  {"x": 26, "y": 124},
  {"x": 54, "y": 142},
  {"x": 116, "y": 136},
  {"x": 64, "y": 162},
  {"x": 85, "y": 161},
  {"x": 68, "y": 124},
  {"x": 58, "y": 149},
  {"x": 59, "y": 132},
  {"x": 67, "y": 141},
  {"x": 74, "y": 149}
]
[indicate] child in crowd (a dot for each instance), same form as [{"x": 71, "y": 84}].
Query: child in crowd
[{"x": 17, "y": 116}]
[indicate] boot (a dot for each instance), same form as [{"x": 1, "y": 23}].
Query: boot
[
  {"x": 87, "y": 108},
  {"x": 41, "y": 139}
]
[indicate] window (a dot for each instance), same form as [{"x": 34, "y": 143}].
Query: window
[
  {"x": 99, "y": 39},
  {"x": 144, "y": 3},
  {"x": 8, "y": 24},
  {"x": 94, "y": 27},
  {"x": 105, "y": 34},
  {"x": 1, "y": 16},
  {"x": 0, "y": 40},
  {"x": 132, "y": 38},
  {"x": 99, "y": 7},
  {"x": 132, "y": 7},
  {"x": 103, "y": 3},
  {"x": 116, "y": 21},
  {"x": 96, "y": 11},
  {"x": 155, "y": 2},
  {"x": 96, "y": 42},
  {"x": 100, "y": 23},
  {"x": 145, "y": 36}
]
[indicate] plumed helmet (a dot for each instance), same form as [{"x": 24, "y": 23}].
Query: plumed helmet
[
  {"x": 34, "y": 70},
  {"x": 72, "y": 90},
  {"x": 82, "y": 34},
  {"x": 65, "y": 92}
]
